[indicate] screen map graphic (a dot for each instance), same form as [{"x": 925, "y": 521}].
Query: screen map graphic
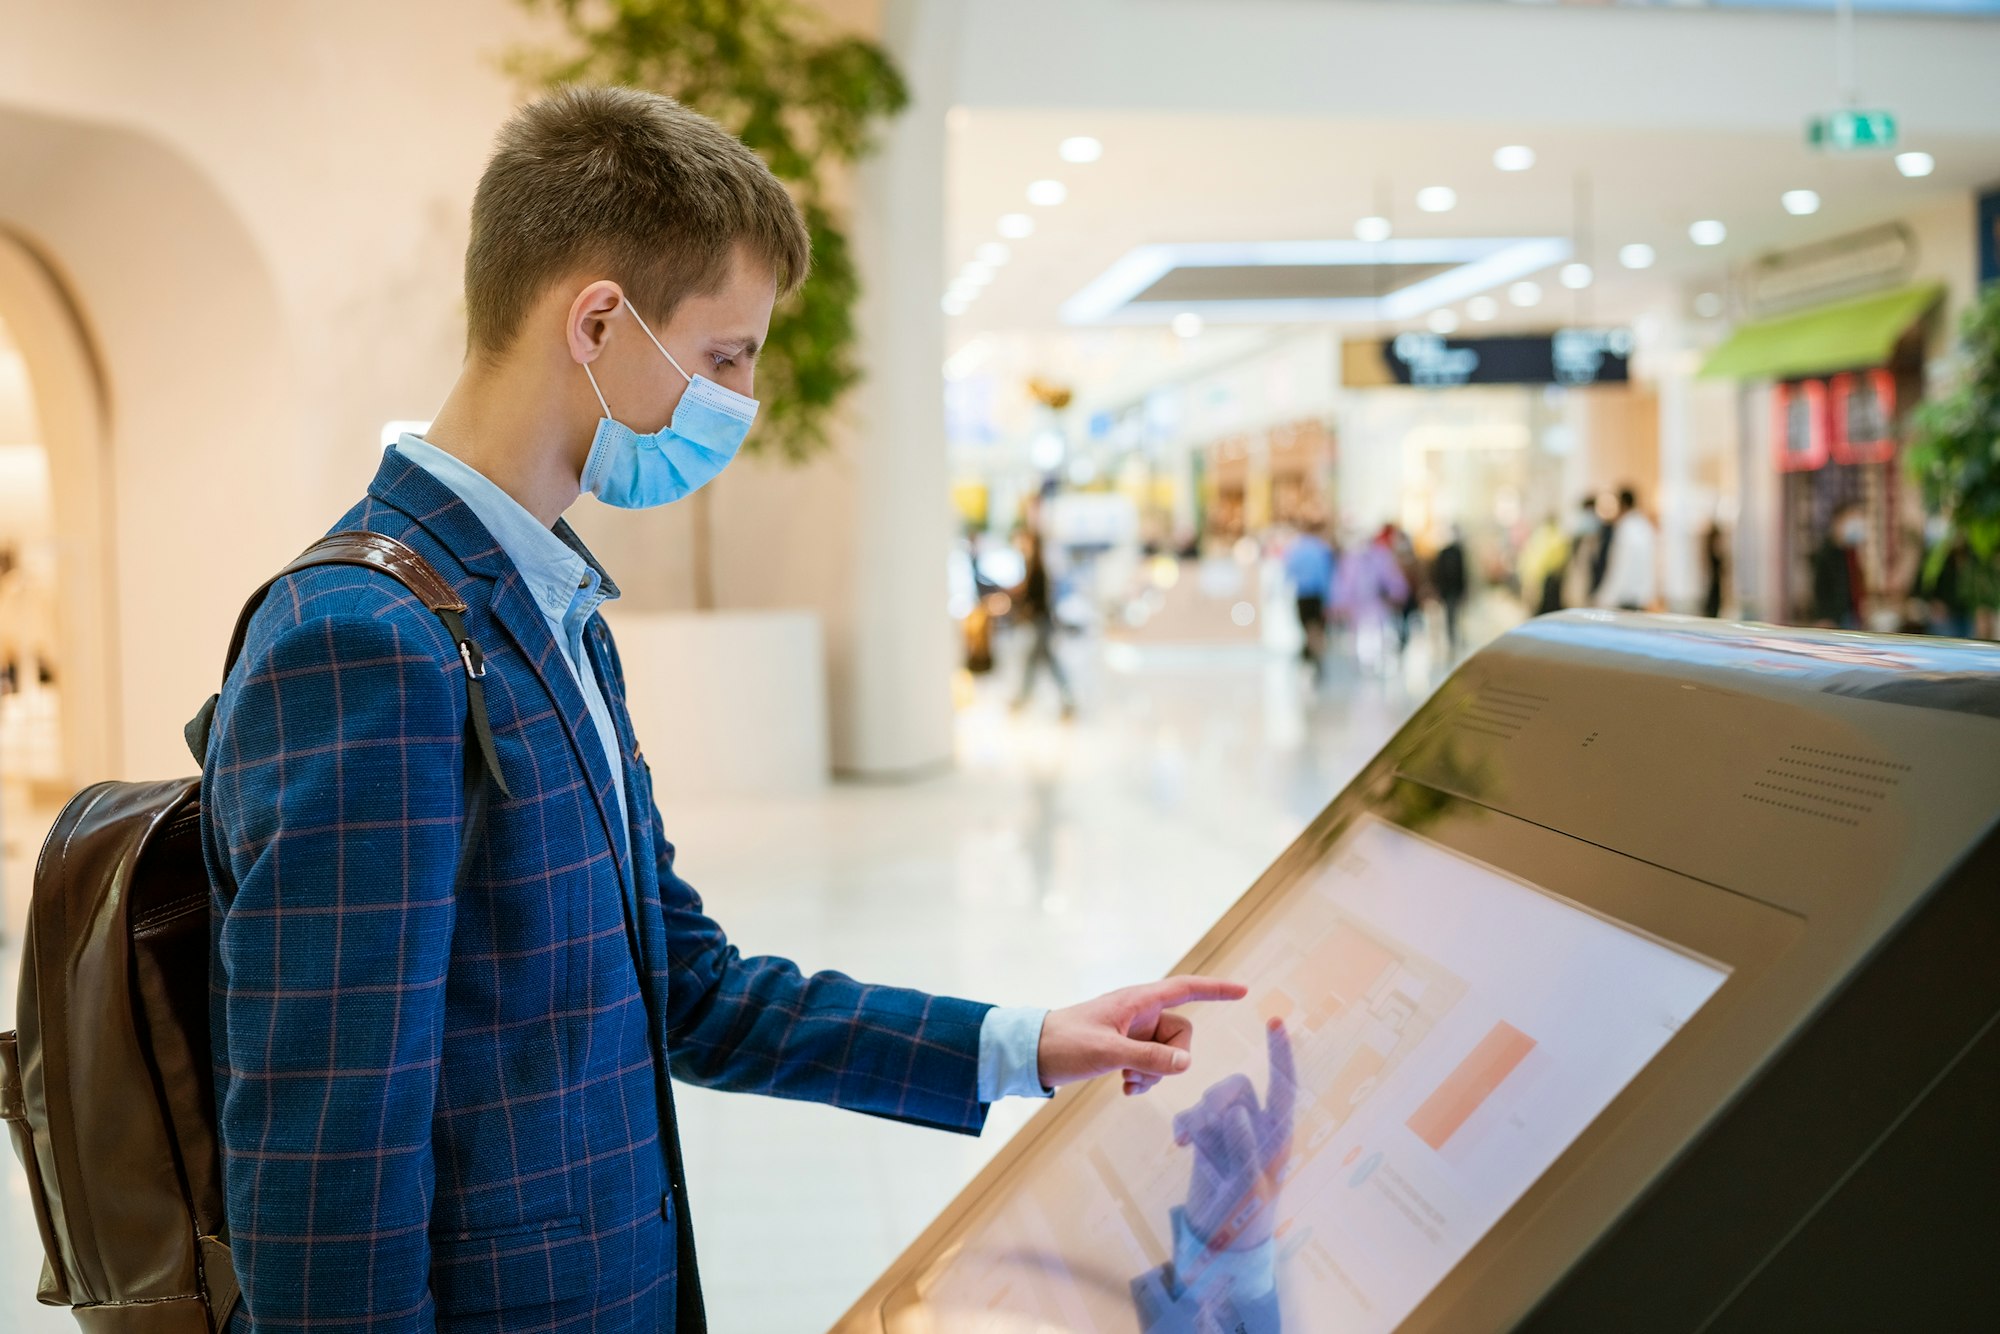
[{"x": 1424, "y": 1037}]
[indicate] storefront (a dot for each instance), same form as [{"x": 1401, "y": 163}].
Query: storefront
[{"x": 1838, "y": 383}]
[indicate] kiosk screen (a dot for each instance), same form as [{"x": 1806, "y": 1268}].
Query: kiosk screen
[{"x": 1424, "y": 1036}]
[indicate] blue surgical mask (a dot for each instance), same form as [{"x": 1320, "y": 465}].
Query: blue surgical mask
[{"x": 635, "y": 472}]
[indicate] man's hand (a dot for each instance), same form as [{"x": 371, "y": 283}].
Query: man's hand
[{"x": 1129, "y": 1030}]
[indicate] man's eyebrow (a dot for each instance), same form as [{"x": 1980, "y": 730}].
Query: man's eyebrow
[{"x": 744, "y": 345}]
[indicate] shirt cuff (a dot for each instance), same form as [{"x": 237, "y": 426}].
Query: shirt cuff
[{"x": 1010, "y": 1043}]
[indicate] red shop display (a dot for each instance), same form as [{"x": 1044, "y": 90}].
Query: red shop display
[
  {"x": 1800, "y": 425},
  {"x": 1864, "y": 417}
]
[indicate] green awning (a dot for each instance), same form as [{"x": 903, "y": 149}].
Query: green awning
[{"x": 1849, "y": 335}]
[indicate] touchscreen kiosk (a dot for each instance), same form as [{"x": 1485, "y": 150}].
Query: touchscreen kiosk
[{"x": 1647, "y": 980}]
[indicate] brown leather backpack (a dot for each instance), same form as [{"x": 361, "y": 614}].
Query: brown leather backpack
[{"x": 106, "y": 1084}]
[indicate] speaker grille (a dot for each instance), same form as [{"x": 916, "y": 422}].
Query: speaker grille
[
  {"x": 1835, "y": 786},
  {"x": 1498, "y": 711}
]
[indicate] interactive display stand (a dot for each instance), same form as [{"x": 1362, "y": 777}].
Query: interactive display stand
[{"x": 1647, "y": 981}]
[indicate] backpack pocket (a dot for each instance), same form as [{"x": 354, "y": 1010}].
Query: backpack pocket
[{"x": 54, "y": 1286}]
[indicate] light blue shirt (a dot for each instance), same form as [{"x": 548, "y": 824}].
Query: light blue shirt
[{"x": 568, "y": 589}]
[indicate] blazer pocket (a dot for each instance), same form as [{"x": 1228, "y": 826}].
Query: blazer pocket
[{"x": 525, "y": 1267}]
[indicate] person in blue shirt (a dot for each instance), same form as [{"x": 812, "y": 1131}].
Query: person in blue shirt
[
  {"x": 444, "y": 1046},
  {"x": 1309, "y": 564}
]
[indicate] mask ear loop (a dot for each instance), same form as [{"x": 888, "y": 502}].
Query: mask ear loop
[
  {"x": 657, "y": 343},
  {"x": 595, "y": 390}
]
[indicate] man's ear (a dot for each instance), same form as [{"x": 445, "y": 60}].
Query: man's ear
[{"x": 587, "y": 327}]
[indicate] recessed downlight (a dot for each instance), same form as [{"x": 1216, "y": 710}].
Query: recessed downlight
[
  {"x": 1800, "y": 203},
  {"x": 1575, "y": 277},
  {"x": 1047, "y": 194},
  {"x": 1437, "y": 199},
  {"x": 1637, "y": 255},
  {"x": 1443, "y": 321},
  {"x": 1514, "y": 157},
  {"x": 1372, "y": 230},
  {"x": 1079, "y": 148},
  {"x": 1915, "y": 164},
  {"x": 1014, "y": 226},
  {"x": 1525, "y": 294},
  {"x": 994, "y": 253},
  {"x": 1708, "y": 232},
  {"x": 954, "y": 305},
  {"x": 1482, "y": 308},
  {"x": 1187, "y": 324},
  {"x": 976, "y": 274}
]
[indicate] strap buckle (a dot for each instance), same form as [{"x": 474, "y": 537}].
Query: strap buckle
[{"x": 474, "y": 660}]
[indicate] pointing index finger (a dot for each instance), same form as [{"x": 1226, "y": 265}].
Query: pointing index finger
[{"x": 1188, "y": 987}]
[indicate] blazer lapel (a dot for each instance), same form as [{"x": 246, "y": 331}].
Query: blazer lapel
[{"x": 404, "y": 486}]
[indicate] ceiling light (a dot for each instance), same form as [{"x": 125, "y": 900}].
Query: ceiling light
[
  {"x": 1047, "y": 193},
  {"x": 1372, "y": 230},
  {"x": 1482, "y": 308},
  {"x": 1187, "y": 324},
  {"x": 1437, "y": 199},
  {"x": 1525, "y": 294},
  {"x": 1575, "y": 277},
  {"x": 1514, "y": 157},
  {"x": 1707, "y": 232},
  {"x": 1638, "y": 255},
  {"x": 993, "y": 254},
  {"x": 1708, "y": 305},
  {"x": 1799, "y": 203},
  {"x": 976, "y": 274},
  {"x": 954, "y": 305},
  {"x": 1014, "y": 226},
  {"x": 1443, "y": 321},
  {"x": 1915, "y": 164},
  {"x": 1080, "y": 148}
]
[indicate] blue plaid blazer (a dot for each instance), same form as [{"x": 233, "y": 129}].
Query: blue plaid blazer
[{"x": 441, "y": 1105}]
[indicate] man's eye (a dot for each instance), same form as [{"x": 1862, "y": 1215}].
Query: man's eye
[{"x": 723, "y": 363}]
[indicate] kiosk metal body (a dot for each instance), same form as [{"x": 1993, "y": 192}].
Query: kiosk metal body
[{"x": 1647, "y": 980}]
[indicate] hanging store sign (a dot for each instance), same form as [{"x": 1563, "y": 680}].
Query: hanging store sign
[{"x": 1427, "y": 360}]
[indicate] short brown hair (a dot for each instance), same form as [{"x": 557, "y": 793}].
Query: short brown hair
[{"x": 631, "y": 183}]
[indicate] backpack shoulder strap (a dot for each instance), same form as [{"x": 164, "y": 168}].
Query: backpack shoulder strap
[{"x": 380, "y": 552}]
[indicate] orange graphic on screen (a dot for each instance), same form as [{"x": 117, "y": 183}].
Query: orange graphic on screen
[{"x": 1465, "y": 1088}]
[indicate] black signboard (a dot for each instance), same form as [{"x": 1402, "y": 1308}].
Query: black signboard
[{"x": 1568, "y": 356}]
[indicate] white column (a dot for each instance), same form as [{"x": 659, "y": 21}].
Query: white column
[{"x": 892, "y": 694}]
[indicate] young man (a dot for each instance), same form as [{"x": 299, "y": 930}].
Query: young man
[{"x": 442, "y": 1089}]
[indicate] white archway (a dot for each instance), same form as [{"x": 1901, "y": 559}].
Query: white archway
[
  {"x": 157, "y": 348},
  {"x": 69, "y": 403}
]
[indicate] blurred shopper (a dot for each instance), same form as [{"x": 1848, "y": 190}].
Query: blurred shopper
[
  {"x": 1370, "y": 591},
  {"x": 1590, "y": 547},
  {"x": 1412, "y": 570},
  {"x": 1449, "y": 582},
  {"x": 1839, "y": 579},
  {"x": 444, "y": 1103},
  {"x": 1714, "y": 559},
  {"x": 1544, "y": 556},
  {"x": 1631, "y": 580},
  {"x": 1036, "y": 603},
  {"x": 1309, "y": 565}
]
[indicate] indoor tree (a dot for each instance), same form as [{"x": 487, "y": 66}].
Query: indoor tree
[
  {"x": 1955, "y": 453},
  {"x": 806, "y": 98}
]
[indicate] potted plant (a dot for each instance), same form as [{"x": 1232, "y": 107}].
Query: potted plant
[
  {"x": 1955, "y": 456},
  {"x": 806, "y": 99}
]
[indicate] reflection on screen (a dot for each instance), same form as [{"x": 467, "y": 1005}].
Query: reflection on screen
[{"x": 1424, "y": 1037}]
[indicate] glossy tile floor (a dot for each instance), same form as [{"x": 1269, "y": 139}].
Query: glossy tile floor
[{"x": 1056, "y": 861}]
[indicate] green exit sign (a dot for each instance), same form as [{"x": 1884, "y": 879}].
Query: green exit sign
[{"x": 1849, "y": 131}]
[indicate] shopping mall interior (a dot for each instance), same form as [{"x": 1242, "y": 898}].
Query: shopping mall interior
[{"x": 1231, "y": 373}]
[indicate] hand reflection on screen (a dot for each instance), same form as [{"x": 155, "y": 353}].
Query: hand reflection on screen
[{"x": 1223, "y": 1275}]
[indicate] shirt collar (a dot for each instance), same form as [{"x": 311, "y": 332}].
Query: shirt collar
[{"x": 554, "y": 565}]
